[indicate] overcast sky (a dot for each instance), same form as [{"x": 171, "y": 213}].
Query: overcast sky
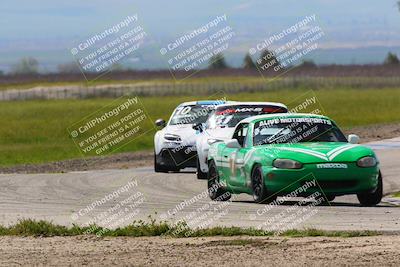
[
  {"x": 46, "y": 25},
  {"x": 27, "y": 19}
]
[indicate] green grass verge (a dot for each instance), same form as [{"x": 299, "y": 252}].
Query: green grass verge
[
  {"x": 396, "y": 194},
  {"x": 36, "y": 131},
  {"x": 42, "y": 228}
]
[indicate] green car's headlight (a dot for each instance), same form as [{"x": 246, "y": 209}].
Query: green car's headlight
[
  {"x": 366, "y": 162},
  {"x": 287, "y": 164}
]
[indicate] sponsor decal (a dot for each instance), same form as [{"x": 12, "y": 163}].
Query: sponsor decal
[
  {"x": 332, "y": 166},
  {"x": 249, "y": 109},
  {"x": 257, "y": 110},
  {"x": 267, "y": 123}
]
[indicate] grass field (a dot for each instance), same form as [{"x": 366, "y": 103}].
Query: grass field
[
  {"x": 29, "y": 227},
  {"x": 36, "y": 131}
]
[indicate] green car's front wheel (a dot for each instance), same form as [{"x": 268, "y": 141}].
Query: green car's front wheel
[
  {"x": 373, "y": 198},
  {"x": 215, "y": 189},
  {"x": 260, "y": 192}
]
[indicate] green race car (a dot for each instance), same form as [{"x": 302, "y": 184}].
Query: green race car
[{"x": 278, "y": 154}]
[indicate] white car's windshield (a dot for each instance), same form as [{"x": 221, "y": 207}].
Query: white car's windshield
[
  {"x": 295, "y": 130},
  {"x": 230, "y": 116},
  {"x": 191, "y": 114}
]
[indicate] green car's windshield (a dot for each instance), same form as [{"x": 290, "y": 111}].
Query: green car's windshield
[
  {"x": 295, "y": 130},
  {"x": 191, "y": 114}
]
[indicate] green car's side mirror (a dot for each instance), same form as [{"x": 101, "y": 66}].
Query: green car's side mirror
[
  {"x": 353, "y": 139},
  {"x": 233, "y": 143}
]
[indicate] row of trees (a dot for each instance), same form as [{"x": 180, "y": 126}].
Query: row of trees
[
  {"x": 30, "y": 65},
  {"x": 268, "y": 58}
]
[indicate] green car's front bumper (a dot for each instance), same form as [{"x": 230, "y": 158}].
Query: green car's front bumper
[{"x": 351, "y": 180}]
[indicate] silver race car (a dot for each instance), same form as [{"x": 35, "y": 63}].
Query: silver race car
[{"x": 221, "y": 124}]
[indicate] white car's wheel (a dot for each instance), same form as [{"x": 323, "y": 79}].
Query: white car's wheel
[
  {"x": 200, "y": 174},
  {"x": 157, "y": 166}
]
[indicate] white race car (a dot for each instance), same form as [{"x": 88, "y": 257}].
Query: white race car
[
  {"x": 221, "y": 124},
  {"x": 175, "y": 143}
]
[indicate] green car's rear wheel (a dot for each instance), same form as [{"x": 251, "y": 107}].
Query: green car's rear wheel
[
  {"x": 215, "y": 190},
  {"x": 260, "y": 192},
  {"x": 372, "y": 198}
]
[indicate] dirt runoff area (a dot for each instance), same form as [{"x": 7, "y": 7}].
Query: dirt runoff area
[
  {"x": 210, "y": 251},
  {"x": 115, "y": 161},
  {"x": 375, "y": 132},
  {"x": 146, "y": 158}
]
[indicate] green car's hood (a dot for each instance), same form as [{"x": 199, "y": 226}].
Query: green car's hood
[{"x": 315, "y": 152}]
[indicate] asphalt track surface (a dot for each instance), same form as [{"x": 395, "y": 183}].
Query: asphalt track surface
[{"x": 84, "y": 197}]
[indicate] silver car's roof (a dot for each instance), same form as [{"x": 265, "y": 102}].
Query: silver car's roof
[
  {"x": 206, "y": 102},
  {"x": 253, "y": 103}
]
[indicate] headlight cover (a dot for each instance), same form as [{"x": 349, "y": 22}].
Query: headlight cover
[
  {"x": 287, "y": 164},
  {"x": 172, "y": 137},
  {"x": 366, "y": 162}
]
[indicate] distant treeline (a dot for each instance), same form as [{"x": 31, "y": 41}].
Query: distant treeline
[
  {"x": 267, "y": 61},
  {"x": 302, "y": 70}
]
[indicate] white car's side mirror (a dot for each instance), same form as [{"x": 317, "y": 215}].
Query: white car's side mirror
[
  {"x": 353, "y": 139},
  {"x": 160, "y": 123},
  {"x": 233, "y": 143}
]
